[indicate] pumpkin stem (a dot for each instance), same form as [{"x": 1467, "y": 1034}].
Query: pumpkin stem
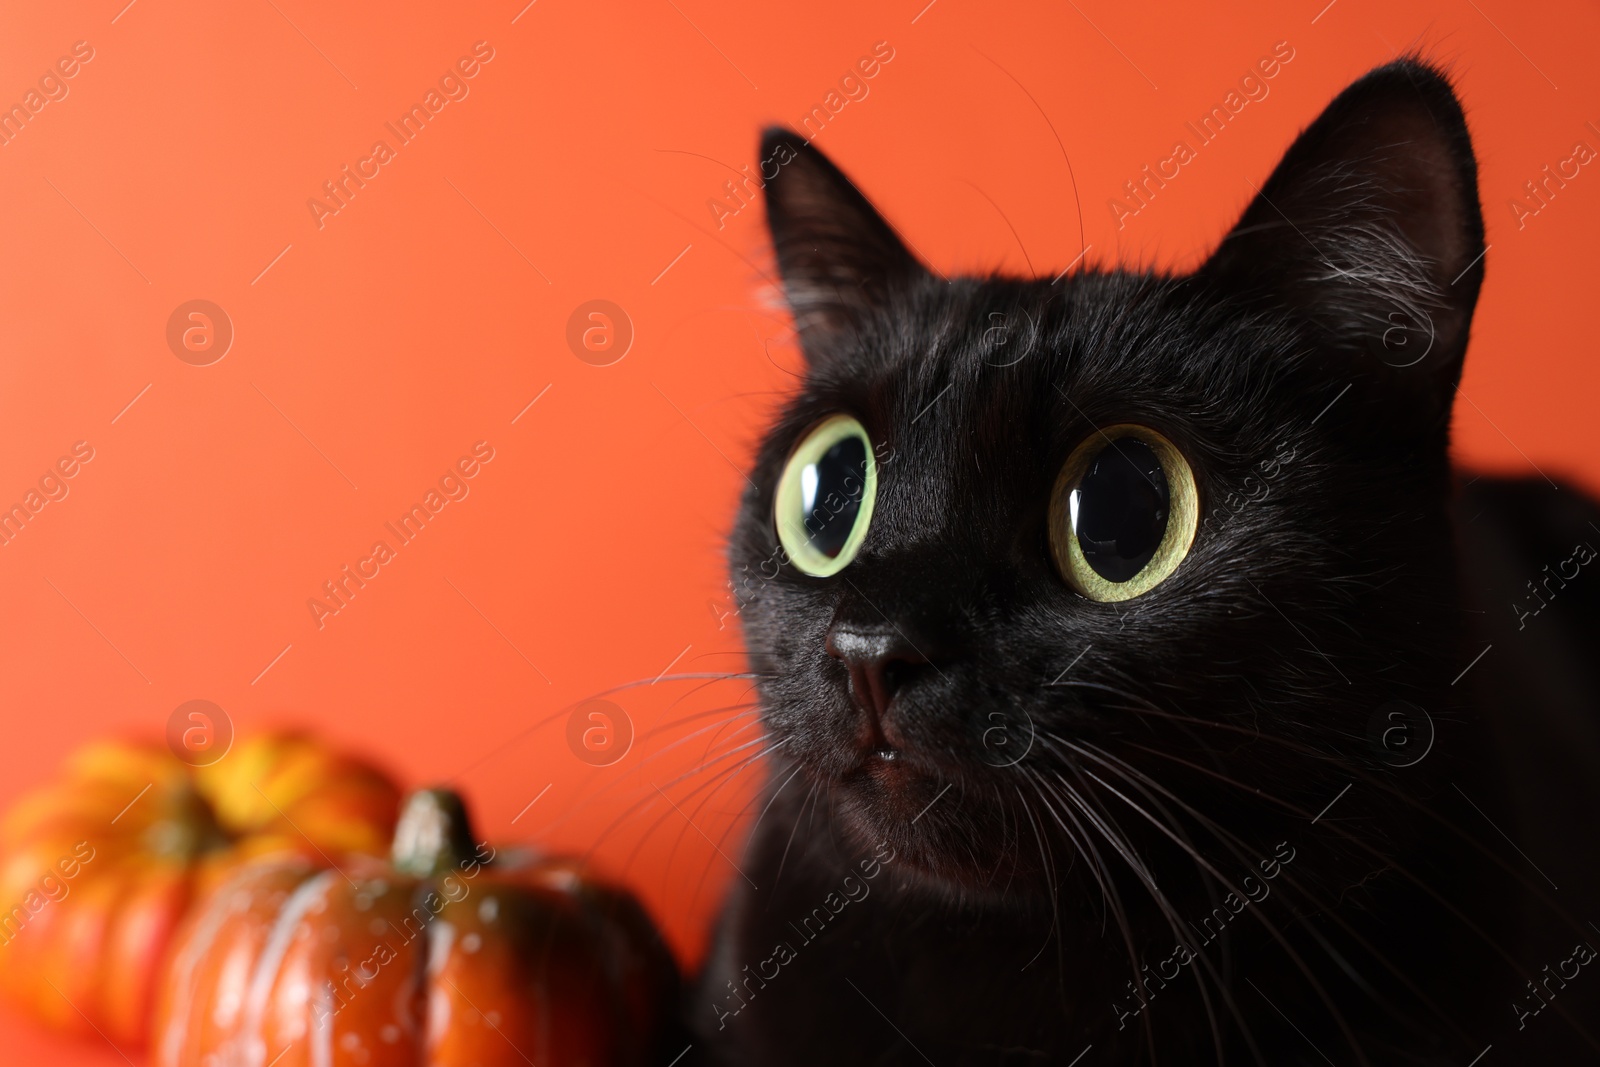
[
  {"x": 433, "y": 836},
  {"x": 187, "y": 829}
]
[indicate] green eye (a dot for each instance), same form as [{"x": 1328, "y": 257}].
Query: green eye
[
  {"x": 825, "y": 497},
  {"x": 1123, "y": 513}
]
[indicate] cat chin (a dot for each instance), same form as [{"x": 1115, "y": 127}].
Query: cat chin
[
  {"x": 932, "y": 866},
  {"x": 938, "y": 837}
]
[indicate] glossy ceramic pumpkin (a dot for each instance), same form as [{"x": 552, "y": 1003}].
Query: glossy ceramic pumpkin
[
  {"x": 98, "y": 867},
  {"x": 450, "y": 955}
]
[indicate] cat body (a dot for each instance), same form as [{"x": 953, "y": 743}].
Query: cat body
[{"x": 1292, "y": 766}]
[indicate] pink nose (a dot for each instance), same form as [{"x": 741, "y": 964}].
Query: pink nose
[{"x": 880, "y": 660}]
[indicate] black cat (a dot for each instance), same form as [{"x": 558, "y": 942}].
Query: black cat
[{"x": 1141, "y": 684}]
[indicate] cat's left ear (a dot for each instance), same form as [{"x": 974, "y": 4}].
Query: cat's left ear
[
  {"x": 1370, "y": 232},
  {"x": 837, "y": 256}
]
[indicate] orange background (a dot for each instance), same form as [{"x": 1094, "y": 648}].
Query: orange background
[{"x": 432, "y": 309}]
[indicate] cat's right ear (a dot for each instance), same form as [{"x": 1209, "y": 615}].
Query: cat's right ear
[
  {"x": 1370, "y": 232},
  {"x": 836, "y": 255}
]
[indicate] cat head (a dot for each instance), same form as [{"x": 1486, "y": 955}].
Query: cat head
[{"x": 1020, "y": 554}]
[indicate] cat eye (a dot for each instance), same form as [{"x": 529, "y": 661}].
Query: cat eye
[
  {"x": 825, "y": 496},
  {"x": 1123, "y": 513}
]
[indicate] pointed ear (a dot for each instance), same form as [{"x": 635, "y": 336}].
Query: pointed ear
[
  {"x": 1371, "y": 234},
  {"x": 837, "y": 256}
]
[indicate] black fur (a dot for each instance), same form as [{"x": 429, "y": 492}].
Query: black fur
[{"x": 1195, "y": 735}]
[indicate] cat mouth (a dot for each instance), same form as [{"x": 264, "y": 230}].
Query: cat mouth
[
  {"x": 885, "y": 764},
  {"x": 900, "y": 796},
  {"x": 879, "y": 760},
  {"x": 893, "y": 780}
]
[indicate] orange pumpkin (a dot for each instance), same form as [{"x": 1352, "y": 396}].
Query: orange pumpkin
[
  {"x": 451, "y": 954},
  {"x": 98, "y": 867}
]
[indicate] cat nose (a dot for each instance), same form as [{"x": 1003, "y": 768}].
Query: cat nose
[{"x": 880, "y": 661}]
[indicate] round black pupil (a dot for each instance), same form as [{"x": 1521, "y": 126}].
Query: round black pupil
[
  {"x": 1119, "y": 511},
  {"x": 830, "y": 491}
]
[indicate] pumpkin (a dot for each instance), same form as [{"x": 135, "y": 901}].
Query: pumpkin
[
  {"x": 98, "y": 867},
  {"x": 450, "y": 954}
]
